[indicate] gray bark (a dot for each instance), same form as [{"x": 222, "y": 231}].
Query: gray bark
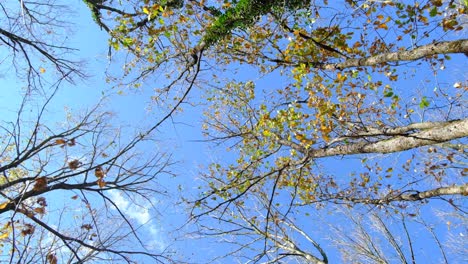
[
  {"x": 439, "y": 133},
  {"x": 447, "y": 47}
]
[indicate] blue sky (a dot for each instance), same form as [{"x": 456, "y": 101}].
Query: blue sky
[
  {"x": 129, "y": 108},
  {"x": 181, "y": 137}
]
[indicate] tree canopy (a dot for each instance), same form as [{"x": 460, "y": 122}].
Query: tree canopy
[{"x": 341, "y": 126}]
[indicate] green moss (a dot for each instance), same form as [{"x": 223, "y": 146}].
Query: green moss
[{"x": 245, "y": 13}]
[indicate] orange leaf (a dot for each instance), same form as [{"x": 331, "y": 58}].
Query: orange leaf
[
  {"x": 101, "y": 183},
  {"x": 383, "y": 26},
  {"x": 357, "y": 44},
  {"x": 41, "y": 184},
  {"x": 60, "y": 141}
]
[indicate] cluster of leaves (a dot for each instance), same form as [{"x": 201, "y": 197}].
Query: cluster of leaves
[
  {"x": 337, "y": 74},
  {"x": 340, "y": 94},
  {"x": 341, "y": 84}
]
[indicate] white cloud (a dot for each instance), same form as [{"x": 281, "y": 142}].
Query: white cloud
[
  {"x": 118, "y": 199},
  {"x": 141, "y": 214}
]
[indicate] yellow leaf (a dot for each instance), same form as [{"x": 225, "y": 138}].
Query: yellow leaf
[
  {"x": 325, "y": 137},
  {"x": 3, "y": 205},
  {"x": 42, "y": 70},
  {"x": 4, "y": 235},
  {"x": 266, "y": 133},
  {"x": 300, "y": 137},
  {"x": 5, "y": 231},
  {"x": 145, "y": 10},
  {"x": 341, "y": 77}
]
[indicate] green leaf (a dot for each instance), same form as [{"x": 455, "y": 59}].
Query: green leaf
[
  {"x": 424, "y": 103},
  {"x": 127, "y": 42},
  {"x": 433, "y": 12}
]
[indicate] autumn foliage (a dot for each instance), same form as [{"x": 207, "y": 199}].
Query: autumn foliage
[{"x": 341, "y": 126}]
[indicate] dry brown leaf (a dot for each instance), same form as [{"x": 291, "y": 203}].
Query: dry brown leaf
[
  {"x": 51, "y": 258},
  {"x": 41, "y": 184},
  {"x": 41, "y": 201},
  {"x": 87, "y": 227},
  {"x": 39, "y": 210},
  {"x": 28, "y": 230},
  {"x": 74, "y": 164},
  {"x": 71, "y": 142},
  {"x": 99, "y": 172}
]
